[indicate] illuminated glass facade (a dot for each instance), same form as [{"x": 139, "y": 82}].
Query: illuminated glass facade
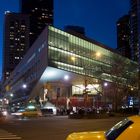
[
  {"x": 81, "y": 56},
  {"x": 56, "y": 55}
]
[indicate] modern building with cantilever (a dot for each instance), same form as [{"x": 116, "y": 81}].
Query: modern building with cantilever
[{"x": 60, "y": 66}]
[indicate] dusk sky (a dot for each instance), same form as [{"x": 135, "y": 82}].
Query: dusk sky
[{"x": 97, "y": 16}]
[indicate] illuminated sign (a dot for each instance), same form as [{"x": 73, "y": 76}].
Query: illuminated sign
[{"x": 91, "y": 89}]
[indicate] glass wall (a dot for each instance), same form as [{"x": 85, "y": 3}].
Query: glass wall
[{"x": 71, "y": 53}]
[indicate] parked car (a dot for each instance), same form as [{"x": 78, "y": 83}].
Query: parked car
[
  {"x": 46, "y": 112},
  {"x": 127, "y": 129}
]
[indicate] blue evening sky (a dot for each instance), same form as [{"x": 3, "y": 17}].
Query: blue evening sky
[{"x": 97, "y": 16}]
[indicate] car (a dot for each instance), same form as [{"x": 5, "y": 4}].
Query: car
[
  {"x": 29, "y": 111},
  {"x": 46, "y": 112},
  {"x": 127, "y": 129}
]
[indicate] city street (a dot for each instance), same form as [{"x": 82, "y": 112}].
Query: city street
[
  {"x": 69, "y": 66},
  {"x": 51, "y": 128}
]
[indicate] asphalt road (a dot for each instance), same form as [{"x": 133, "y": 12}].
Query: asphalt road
[{"x": 51, "y": 128}]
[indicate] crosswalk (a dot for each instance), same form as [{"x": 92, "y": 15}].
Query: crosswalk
[{"x": 4, "y": 135}]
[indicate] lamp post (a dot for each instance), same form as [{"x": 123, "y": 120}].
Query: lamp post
[
  {"x": 24, "y": 92},
  {"x": 105, "y": 84}
]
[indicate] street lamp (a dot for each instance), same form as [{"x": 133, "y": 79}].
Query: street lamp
[
  {"x": 105, "y": 84},
  {"x": 11, "y": 95},
  {"x": 24, "y": 86},
  {"x": 66, "y": 77},
  {"x": 132, "y": 88}
]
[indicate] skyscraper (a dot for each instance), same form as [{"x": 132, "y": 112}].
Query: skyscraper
[
  {"x": 16, "y": 41},
  {"x": 135, "y": 29},
  {"x": 123, "y": 36},
  {"x": 41, "y": 14},
  {"x": 22, "y": 29}
]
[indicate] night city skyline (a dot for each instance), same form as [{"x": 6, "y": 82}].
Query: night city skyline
[
  {"x": 69, "y": 69},
  {"x": 99, "y": 22}
]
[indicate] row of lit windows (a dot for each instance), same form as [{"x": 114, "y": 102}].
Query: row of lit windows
[
  {"x": 72, "y": 53},
  {"x": 75, "y": 63},
  {"x": 18, "y": 57},
  {"x": 68, "y": 42},
  {"x": 42, "y": 9},
  {"x": 79, "y": 47},
  {"x": 77, "y": 41}
]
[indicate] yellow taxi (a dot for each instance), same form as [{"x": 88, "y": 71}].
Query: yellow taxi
[
  {"x": 31, "y": 113},
  {"x": 127, "y": 129}
]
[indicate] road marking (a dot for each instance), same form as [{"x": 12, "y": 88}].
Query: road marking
[{"x": 4, "y": 135}]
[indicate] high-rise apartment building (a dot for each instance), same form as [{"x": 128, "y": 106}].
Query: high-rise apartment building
[
  {"x": 123, "y": 36},
  {"x": 135, "y": 29},
  {"x": 16, "y": 41},
  {"x": 22, "y": 29},
  {"x": 41, "y": 14}
]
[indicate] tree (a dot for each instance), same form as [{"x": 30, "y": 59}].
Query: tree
[{"x": 123, "y": 76}]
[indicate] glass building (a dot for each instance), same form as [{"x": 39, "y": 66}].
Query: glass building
[
  {"x": 82, "y": 55},
  {"x": 61, "y": 68}
]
